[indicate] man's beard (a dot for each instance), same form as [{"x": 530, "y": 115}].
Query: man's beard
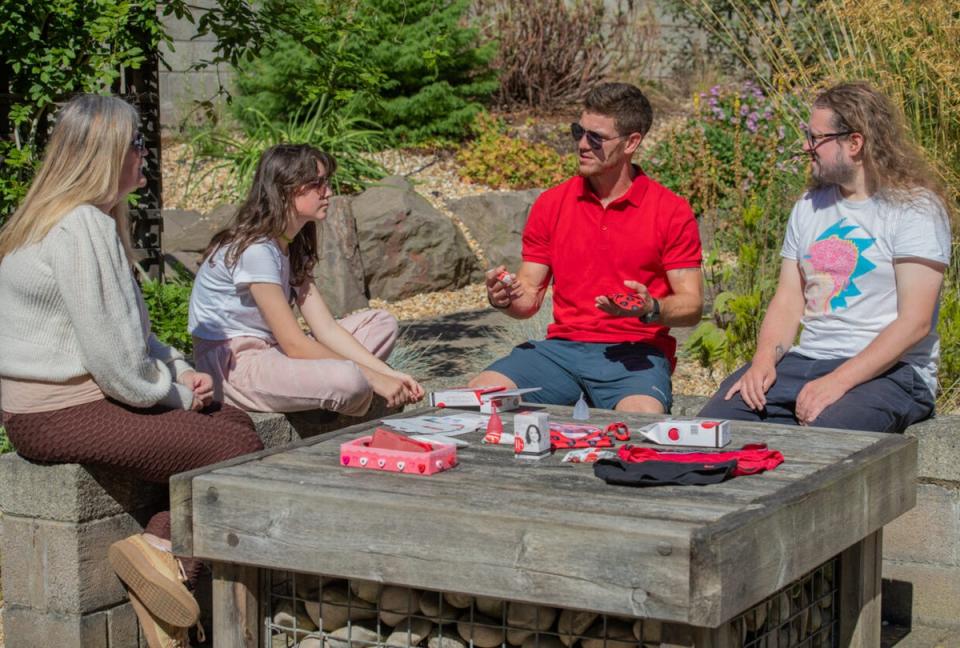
[{"x": 837, "y": 173}]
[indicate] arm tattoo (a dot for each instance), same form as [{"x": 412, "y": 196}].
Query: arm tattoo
[{"x": 779, "y": 352}]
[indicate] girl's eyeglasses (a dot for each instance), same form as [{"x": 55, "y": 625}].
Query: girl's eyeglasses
[{"x": 318, "y": 184}]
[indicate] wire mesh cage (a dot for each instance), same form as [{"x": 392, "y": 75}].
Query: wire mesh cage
[
  {"x": 801, "y": 615},
  {"x": 308, "y": 611}
]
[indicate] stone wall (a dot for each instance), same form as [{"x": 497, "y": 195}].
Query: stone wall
[
  {"x": 182, "y": 90},
  {"x": 921, "y": 549}
]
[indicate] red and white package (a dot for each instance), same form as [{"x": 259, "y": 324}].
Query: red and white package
[
  {"x": 700, "y": 433},
  {"x": 588, "y": 455}
]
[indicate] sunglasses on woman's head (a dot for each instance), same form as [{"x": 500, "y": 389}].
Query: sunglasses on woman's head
[
  {"x": 138, "y": 143},
  {"x": 594, "y": 140}
]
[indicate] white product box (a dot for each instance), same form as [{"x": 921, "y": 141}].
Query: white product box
[
  {"x": 484, "y": 397},
  {"x": 531, "y": 434},
  {"x": 702, "y": 433}
]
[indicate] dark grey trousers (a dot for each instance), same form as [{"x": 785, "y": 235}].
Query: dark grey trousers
[{"x": 890, "y": 402}]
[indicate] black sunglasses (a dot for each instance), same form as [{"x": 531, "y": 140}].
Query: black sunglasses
[
  {"x": 594, "y": 140},
  {"x": 813, "y": 141},
  {"x": 138, "y": 143}
]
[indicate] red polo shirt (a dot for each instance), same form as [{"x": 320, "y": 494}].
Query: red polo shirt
[{"x": 591, "y": 250}]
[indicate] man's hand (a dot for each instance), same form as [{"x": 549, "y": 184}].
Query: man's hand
[
  {"x": 501, "y": 294},
  {"x": 202, "y": 386},
  {"x": 603, "y": 302},
  {"x": 816, "y": 396},
  {"x": 754, "y": 384}
]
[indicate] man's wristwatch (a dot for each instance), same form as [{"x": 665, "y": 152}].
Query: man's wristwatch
[{"x": 654, "y": 313}]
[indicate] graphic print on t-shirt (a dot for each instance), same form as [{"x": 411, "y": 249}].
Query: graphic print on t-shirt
[{"x": 831, "y": 265}]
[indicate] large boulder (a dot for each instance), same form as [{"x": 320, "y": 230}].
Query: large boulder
[
  {"x": 186, "y": 234},
  {"x": 339, "y": 270},
  {"x": 496, "y": 220},
  {"x": 407, "y": 246}
]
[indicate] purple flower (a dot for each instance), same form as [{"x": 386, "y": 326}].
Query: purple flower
[{"x": 715, "y": 91}]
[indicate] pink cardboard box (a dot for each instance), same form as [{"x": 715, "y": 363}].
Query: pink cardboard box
[{"x": 359, "y": 454}]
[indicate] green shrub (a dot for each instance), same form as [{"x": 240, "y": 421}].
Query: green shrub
[
  {"x": 53, "y": 49},
  {"x": 5, "y": 445},
  {"x": 949, "y": 330},
  {"x": 499, "y": 160},
  {"x": 729, "y": 151},
  {"x": 168, "y": 303},
  {"x": 346, "y": 138},
  {"x": 412, "y": 66}
]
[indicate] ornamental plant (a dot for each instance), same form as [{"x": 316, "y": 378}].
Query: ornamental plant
[
  {"x": 730, "y": 149},
  {"x": 414, "y": 67},
  {"x": 498, "y": 159}
]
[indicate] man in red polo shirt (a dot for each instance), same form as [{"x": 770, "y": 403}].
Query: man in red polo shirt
[{"x": 610, "y": 230}]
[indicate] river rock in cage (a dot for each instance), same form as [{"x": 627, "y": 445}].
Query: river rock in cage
[
  {"x": 458, "y": 600},
  {"x": 450, "y": 639},
  {"x": 353, "y": 636},
  {"x": 491, "y": 607},
  {"x": 397, "y": 603},
  {"x": 482, "y": 630},
  {"x": 537, "y": 640},
  {"x": 338, "y": 607},
  {"x": 409, "y": 632},
  {"x": 573, "y": 623},
  {"x": 431, "y": 603},
  {"x": 283, "y": 616},
  {"x": 647, "y": 630},
  {"x": 369, "y": 591},
  {"x": 617, "y": 634}
]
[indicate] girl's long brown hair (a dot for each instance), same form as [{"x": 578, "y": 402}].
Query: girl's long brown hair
[{"x": 282, "y": 172}]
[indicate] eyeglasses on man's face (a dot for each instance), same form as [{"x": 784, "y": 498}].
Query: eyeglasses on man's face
[
  {"x": 814, "y": 141},
  {"x": 138, "y": 143},
  {"x": 594, "y": 140}
]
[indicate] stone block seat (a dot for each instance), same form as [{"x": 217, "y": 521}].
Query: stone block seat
[{"x": 59, "y": 520}]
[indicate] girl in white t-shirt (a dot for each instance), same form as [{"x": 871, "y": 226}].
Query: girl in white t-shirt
[{"x": 241, "y": 311}]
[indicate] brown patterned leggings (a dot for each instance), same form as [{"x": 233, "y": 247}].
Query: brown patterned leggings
[{"x": 151, "y": 444}]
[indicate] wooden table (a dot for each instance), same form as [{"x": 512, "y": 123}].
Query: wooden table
[{"x": 552, "y": 533}]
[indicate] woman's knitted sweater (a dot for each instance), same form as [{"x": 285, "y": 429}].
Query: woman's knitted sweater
[{"x": 69, "y": 307}]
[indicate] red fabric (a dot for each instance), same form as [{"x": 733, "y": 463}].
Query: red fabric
[
  {"x": 390, "y": 440},
  {"x": 591, "y": 250},
  {"x": 751, "y": 459}
]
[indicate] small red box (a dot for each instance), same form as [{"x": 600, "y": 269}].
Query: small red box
[{"x": 359, "y": 454}]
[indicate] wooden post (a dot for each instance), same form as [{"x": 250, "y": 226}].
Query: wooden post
[
  {"x": 236, "y": 610},
  {"x": 860, "y": 571}
]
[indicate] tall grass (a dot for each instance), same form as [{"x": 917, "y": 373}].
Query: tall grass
[
  {"x": 909, "y": 50},
  {"x": 348, "y": 139}
]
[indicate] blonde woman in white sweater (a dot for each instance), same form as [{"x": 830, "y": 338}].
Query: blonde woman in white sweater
[{"x": 82, "y": 378}]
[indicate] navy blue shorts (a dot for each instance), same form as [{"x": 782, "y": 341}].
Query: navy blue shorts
[
  {"x": 605, "y": 373},
  {"x": 895, "y": 399}
]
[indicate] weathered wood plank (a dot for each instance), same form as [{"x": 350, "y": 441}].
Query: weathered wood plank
[
  {"x": 860, "y": 570},
  {"x": 743, "y": 557},
  {"x": 601, "y": 563},
  {"x": 556, "y": 497},
  {"x": 236, "y": 621}
]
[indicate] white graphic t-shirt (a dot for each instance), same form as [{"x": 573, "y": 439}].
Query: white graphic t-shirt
[
  {"x": 846, "y": 251},
  {"x": 221, "y": 306}
]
